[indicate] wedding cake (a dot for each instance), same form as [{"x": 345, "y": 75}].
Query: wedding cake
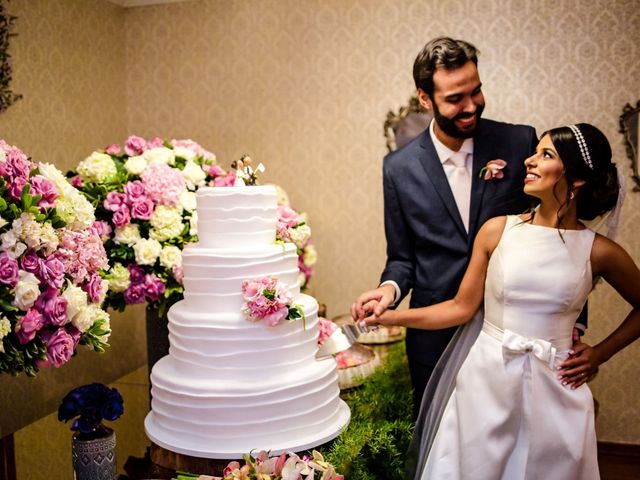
[{"x": 230, "y": 385}]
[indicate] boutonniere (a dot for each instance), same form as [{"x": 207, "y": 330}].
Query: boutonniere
[{"x": 493, "y": 169}]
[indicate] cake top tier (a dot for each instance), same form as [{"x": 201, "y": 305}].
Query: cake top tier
[{"x": 231, "y": 217}]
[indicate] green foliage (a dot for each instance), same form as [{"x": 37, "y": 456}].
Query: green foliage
[{"x": 375, "y": 444}]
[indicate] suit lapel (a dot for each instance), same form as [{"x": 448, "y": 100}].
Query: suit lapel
[
  {"x": 431, "y": 163},
  {"x": 481, "y": 146}
]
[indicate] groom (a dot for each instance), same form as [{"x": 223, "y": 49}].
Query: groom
[{"x": 436, "y": 198}]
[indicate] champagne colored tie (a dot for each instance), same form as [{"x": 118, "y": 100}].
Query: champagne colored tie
[{"x": 460, "y": 182}]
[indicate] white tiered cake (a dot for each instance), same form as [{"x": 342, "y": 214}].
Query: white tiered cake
[{"x": 229, "y": 385}]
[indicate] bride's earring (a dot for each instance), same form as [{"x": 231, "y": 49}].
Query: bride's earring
[{"x": 572, "y": 195}]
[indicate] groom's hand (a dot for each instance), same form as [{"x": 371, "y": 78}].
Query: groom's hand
[{"x": 374, "y": 302}]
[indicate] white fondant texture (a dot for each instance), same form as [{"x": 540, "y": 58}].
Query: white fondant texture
[{"x": 230, "y": 385}]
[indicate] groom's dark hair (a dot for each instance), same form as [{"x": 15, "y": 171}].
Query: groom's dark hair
[{"x": 441, "y": 52}]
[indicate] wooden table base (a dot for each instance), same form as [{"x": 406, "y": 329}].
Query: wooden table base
[{"x": 185, "y": 463}]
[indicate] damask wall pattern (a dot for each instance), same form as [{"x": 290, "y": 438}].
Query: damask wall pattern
[{"x": 304, "y": 86}]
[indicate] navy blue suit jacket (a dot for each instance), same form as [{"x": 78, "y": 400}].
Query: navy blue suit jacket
[{"x": 427, "y": 246}]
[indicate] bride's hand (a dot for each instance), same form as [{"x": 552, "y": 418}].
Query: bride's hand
[
  {"x": 580, "y": 367},
  {"x": 387, "y": 318}
]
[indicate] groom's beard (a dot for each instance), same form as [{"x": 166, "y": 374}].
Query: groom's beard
[{"x": 448, "y": 126}]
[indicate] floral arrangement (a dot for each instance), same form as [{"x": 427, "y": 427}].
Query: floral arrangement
[
  {"x": 292, "y": 227},
  {"x": 51, "y": 259},
  {"x": 269, "y": 301},
  {"x": 144, "y": 195},
  {"x": 287, "y": 466},
  {"x": 88, "y": 405}
]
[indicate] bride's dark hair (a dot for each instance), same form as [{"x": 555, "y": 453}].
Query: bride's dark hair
[{"x": 599, "y": 194}]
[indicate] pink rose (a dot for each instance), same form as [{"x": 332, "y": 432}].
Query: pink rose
[
  {"x": 288, "y": 216},
  {"x": 46, "y": 189},
  {"x": 16, "y": 186},
  {"x": 60, "y": 347},
  {"x": 30, "y": 262},
  {"x": 135, "y": 145},
  {"x": 114, "y": 201},
  {"x": 134, "y": 294},
  {"x": 136, "y": 273},
  {"x": 275, "y": 316},
  {"x": 17, "y": 164},
  {"x": 113, "y": 149},
  {"x": 8, "y": 270},
  {"x": 121, "y": 217},
  {"x": 142, "y": 208},
  {"x": 154, "y": 287},
  {"x": 52, "y": 306},
  {"x": 76, "y": 181},
  {"x": 52, "y": 271},
  {"x": 94, "y": 288},
  {"x": 29, "y": 325},
  {"x": 133, "y": 191},
  {"x": 493, "y": 169}
]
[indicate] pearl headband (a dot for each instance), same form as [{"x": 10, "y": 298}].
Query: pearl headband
[{"x": 583, "y": 145}]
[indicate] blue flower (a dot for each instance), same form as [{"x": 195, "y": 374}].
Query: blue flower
[{"x": 91, "y": 404}]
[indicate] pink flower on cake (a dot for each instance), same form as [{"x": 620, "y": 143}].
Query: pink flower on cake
[
  {"x": 493, "y": 169},
  {"x": 269, "y": 301}
]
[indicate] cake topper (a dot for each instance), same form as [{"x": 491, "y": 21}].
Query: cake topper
[{"x": 245, "y": 173}]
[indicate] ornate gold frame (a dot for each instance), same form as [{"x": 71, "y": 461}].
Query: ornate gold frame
[{"x": 630, "y": 128}]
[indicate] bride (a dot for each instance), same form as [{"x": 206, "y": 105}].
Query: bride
[{"x": 515, "y": 405}]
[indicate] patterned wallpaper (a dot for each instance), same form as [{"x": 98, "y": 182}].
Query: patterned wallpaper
[{"x": 304, "y": 86}]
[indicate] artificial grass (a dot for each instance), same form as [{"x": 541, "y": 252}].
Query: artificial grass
[{"x": 375, "y": 443}]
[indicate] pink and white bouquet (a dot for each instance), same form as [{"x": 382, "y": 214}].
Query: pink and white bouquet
[
  {"x": 51, "y": 260},
  {"x": 269, "y": 301},
  {"x": 144, "y": 196},
  {"x": 292, "y": 227},
  {"x": 287, "y": 466}
]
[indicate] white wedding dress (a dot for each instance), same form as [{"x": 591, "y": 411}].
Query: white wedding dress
[{"x": 509, "y": 417}]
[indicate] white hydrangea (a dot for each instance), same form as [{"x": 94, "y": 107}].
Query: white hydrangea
[
  {"x": 193, "y": 175},
  {"x": 170, "y": 256},
  {"x": 12, "y": 245},
  {"x": 147, "y": 251},
  {"x": 97, "y": 167},
  {"x": 76, "y": 303},
  {"x": 166, "y": 222},
  {"x": 160, "y": 155},
  {"x": 119, "y": 278},
  {"x": 188, "y": 200},
  {"x": 27, "y": 230},
  {"x": 127, "y": 235},
  {"x": 300, "y": 235},
  {"x": 76, "y": 211},
  {"x": 49, "y": 240},
  {"x": 5, "y": 326},
  {"x": 26, "y": 291},
  {"x": 135, "y": 165},
  {"x": 185, "y": 153}
]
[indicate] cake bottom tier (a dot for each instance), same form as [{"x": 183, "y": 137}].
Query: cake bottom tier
[{"x": 214, "y": 419}]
